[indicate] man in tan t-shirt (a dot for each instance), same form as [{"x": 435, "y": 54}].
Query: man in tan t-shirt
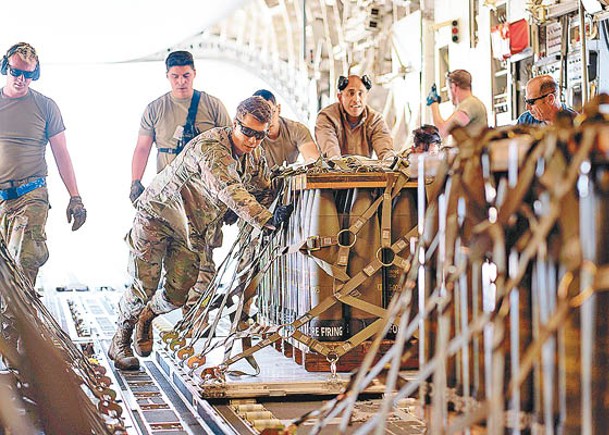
[
  {"x": 164, "y": 118},
  {"x": 28, "y": 121},
  {"x": 163, "y": 123},
  {"x": 350, "y": 126},
  {"x": 286, "y": 138},
  {"x": 470, "y": 112}
]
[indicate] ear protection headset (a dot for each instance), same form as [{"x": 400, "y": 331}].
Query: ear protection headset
[
  {"x": 14, "y": 49},
  {"x": 344, "y": 81}
]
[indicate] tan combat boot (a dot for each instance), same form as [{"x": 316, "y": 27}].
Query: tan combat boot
[
  {"x": 143, "y": 332},
  {"x": 120, "y": 349}
]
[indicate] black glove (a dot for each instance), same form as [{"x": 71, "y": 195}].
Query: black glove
[
  {"x": 281, "y": 214},
  {"x": 136, "y": 190},
  {"x": 77, "y": 210},
  {"x": 230, "y": 217}
]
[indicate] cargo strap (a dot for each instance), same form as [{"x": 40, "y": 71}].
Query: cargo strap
[
  {"x": 536, "y": 236},
  {"x": 347, "y": 292},
  {"x": 349, "y": 289},
  {"x": 18, "y": 191},
  {"x": 317, "y": 242}
]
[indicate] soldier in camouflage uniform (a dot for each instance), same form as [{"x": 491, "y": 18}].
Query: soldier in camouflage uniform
[
  {"x": 286, "y": 140},
  {"x": 219, "y": 170}
]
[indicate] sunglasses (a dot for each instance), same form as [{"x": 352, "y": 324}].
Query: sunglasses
[
  {"x": 250, "y": 132},
  {"x": 19, "y": 72},
  {"x": 531, "y": 101}
]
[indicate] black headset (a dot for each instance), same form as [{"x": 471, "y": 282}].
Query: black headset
[
  {"x": 13, "y": 50},
  {"x": 344, "y": 81}
]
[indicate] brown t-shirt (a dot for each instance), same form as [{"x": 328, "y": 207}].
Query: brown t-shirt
[
  {"x": 286, "y": 146},
  {"x": 476, "y": 112},
  {"x": 337, "y": 138},
  {"x": 165, "y": 114},
  {"x": 26, "y": 124}
]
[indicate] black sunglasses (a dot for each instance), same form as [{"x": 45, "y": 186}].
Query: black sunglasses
[
  {"x": 531, "y": 101},
  {"x": 250, "y": 132},
  {"x": 19, "y": 72}
]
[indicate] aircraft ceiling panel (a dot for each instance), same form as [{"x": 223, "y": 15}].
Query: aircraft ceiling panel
[{"x": 113, "y": 30}]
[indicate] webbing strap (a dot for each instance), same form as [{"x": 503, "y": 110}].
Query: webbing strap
[
  {"x": 324, "y": 305},
  {"x": 386, "y": 213},
  {"x": 346, "y": 293},
  {"x": 313, "y": 243},
  {"x": 354, "y": 301},
  {"x": 515, "y": 196},
  {"x": 189, "y": 126},
  {"x": 247, "y": 344},
  {"x": 331, "y": 269},
  {"x": 601, "y": 280}
]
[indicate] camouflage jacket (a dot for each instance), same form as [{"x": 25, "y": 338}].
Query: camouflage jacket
[{"x": 192, "y": 194}]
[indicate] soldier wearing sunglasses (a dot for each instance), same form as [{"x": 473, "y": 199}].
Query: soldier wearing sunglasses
[
  {"x": 28, "y": 121},
  {"x": 542, "y": 102},
  {"x": 220, "y": 169}
]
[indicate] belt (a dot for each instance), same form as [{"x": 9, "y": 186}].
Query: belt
[
  {"x": 176, "y": 150},
  {"x": 16, "y": 192}
]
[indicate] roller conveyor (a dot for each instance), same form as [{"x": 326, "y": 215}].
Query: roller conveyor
[{"x": 163, "y": 398}]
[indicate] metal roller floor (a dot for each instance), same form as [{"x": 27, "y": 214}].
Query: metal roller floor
[{"x": 163, "y": 398}]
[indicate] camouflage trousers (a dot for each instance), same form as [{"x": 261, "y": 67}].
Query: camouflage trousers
[
  {"x": 154, "y": 247},
  {"x": 207, "y": 268},
  {"x": 22, "y": 225}
]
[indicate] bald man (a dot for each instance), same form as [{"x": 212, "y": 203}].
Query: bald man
[
  {"x": 542, "y": 102},
  {"x": 350, "y": 126}
]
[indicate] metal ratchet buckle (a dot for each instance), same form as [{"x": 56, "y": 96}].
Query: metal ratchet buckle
[
  {"x": 332, "y": 358},
  {"x": 313, "y": 243}
]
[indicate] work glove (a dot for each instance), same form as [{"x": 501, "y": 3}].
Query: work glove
[
  {"x": 136, "y": 190},
  {"x": 433, "y": 96},
  {"x": 76, "y": 209},
  {"x": 230, "y": 217},
  {"x": 281, "y": 214}
]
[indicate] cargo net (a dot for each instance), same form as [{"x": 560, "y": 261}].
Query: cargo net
[
  {"x": 510, "y": 280},
  {"x": 321, "y": 283},
  {"x": 47, "y": 384}
]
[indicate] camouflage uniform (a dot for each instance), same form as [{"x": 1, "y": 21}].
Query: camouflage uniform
[
  {"x": 159, "y": 121},
  {"x": 177, "y": 211},
  {"x": 22, "y": 224}
]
